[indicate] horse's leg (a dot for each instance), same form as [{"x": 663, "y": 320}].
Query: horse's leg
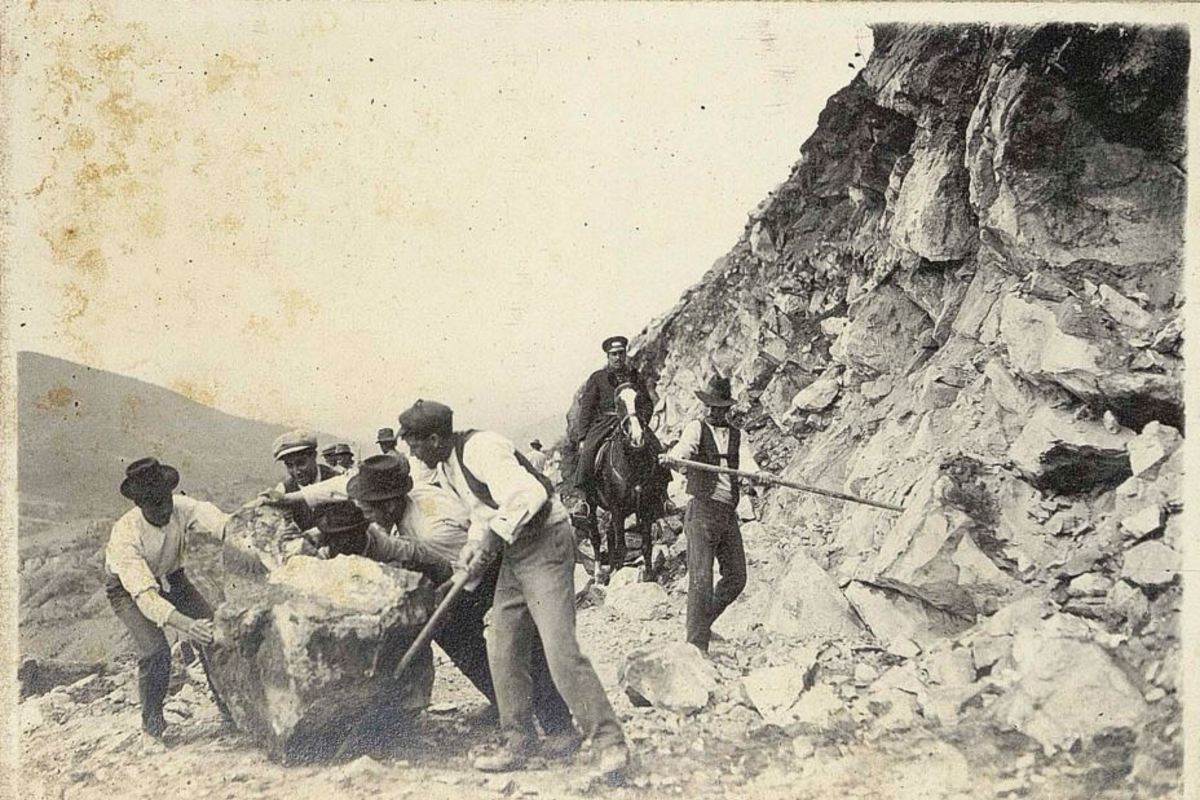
[
  {"x": 595, "y": 535},
  {"x": 646, "y": 528},
  {"x": 616, "y": 541}
]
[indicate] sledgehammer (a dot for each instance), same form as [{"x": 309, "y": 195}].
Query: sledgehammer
[{"x": 766, "y": 477}]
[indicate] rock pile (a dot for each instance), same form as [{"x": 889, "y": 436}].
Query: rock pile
[{"x": 966, "y": 299}]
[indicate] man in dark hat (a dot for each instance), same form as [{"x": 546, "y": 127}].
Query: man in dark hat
[
  {"x": 536, "y": 457},
  {"x": 146, "y": 585},
  {"x": 711, "y": 520},
  {"x": 343, "y": 456},
  {"x": 515, "y": 511},
  {"x": 386, "y": 440},
  {"x": 424, "y": 527},
  {"x": 599, "y": 416}
]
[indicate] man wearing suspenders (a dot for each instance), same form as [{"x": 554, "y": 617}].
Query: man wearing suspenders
[
  {"x": 514, "y": 508},
  {"x": 711, "y": 521}
]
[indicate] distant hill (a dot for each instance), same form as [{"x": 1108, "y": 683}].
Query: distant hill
[{"x": 77, "y": 429}]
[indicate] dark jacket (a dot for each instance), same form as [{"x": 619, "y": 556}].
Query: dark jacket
[{"x": 598, "y": 402}]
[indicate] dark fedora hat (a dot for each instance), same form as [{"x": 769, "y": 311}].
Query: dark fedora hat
[
  {"x": 386, "y": 435},
  {"x": 341, "y": 518},
  {"x": 380, "y": 477},
  {"x": 146, "y": 477},
  {"x": 718, "y": 393}
]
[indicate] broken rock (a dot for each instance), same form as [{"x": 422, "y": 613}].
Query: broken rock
[
  {"x": 1057, "y": 451},
  {"x": 1152, "y": 446},
  {"x": 817, "y": 396},
  {"x": 1057, "y": 712},
  {"x": 1150, "y": 564},
  {"x": 807, "y": 603},
  {"x": 304, "y": 651},
  {"x": 675, "y": 676},
  {"x": 638, "y": 601},
  {"x": 774, "y": 690}
]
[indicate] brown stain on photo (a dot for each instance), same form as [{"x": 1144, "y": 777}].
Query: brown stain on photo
[
  {"x": 194, "y": 390},
  {"x": 55, "y": 398},
  {"x": 298, "y": 307}
]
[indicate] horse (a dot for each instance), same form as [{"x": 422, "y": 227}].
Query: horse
[{"x": 626, "y": 471}]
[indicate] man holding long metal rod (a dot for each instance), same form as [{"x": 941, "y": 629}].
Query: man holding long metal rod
[{"x": 711, "y": 521}]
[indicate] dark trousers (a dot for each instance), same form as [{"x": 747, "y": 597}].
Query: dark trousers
[
  {"x": 712, "y": 532},
  {"x": 463, "y": 641},
  {"x": 154, "y": 654}
]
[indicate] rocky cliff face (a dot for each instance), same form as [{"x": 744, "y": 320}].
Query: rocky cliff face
[{"x": 966, "y": 299}]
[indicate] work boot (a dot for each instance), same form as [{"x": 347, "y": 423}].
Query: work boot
[
  {"x": 560, "y": 745},
  {"x": 611, "y": 764},
  {"x": 510, "y": 755}
]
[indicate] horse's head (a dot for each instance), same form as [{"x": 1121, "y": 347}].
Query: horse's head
[{"x": 631, "y": 426}]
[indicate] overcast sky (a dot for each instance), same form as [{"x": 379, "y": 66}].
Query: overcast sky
[{"x": 316, "y": 214}]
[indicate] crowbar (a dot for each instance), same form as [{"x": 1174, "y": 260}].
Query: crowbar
[{"x": 768, "y": 478}]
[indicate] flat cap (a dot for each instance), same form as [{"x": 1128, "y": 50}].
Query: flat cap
[
  {"x": 296, "y": 441},
  {"x": 425, "y": 417}
]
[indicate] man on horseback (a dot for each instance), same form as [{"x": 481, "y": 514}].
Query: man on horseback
[{"x": 599, "y": 417}]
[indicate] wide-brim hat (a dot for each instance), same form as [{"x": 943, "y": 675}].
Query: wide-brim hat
[
  {"x": 382, "y": 477},
  {"x": 719, "y": 393},
  {"x": 386, "y": 435},
  {"x": 615, "y": 343},
  {"x": 536, "y": 443},
  {"x": 341, "y": 518},
  {"x": 343, "y": 449},
  {"x": 293, "y": 442},
  {"x": 147, "y": 476}
]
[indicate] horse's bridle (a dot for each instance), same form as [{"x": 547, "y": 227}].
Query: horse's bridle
[{"x": 623, "y": 422}]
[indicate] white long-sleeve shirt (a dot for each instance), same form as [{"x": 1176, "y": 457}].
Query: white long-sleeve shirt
[
  {"x": 689, "y": 445},
  {"x": 142, "y": 555},
  {"x": 491, "y": 458},
  {"x": 433, "y": 516}
]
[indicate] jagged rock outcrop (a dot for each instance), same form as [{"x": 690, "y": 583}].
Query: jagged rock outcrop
[
  {"x": 966, "y": 299},
  {"x": 305, "y": 647}
]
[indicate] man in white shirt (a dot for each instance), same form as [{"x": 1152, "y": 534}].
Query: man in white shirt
[
  {"x": 711, "y": 521},
  {"x": 514, "y": 509},
  {"x": 145, "y": 582},
  {"x": 536, "y": 457},
  {"x": 423, "y": 527}
]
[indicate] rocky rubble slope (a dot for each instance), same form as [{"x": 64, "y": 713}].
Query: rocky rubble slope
[{"x": 966, "y": 299}]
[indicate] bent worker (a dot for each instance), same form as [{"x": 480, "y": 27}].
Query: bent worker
[
  {"x": 146, "y": 584},
  {"x": 711, "y": 522},
  {"x": 514, "y": 510},
  {"x": 423, "y": 527}
]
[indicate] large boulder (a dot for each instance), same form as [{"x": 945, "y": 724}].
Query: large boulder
[
  {"x": 894, "y": 615},
  {"x": 1064, "y": 688},
  {"x": 305, "y": 648},
  {"x": 774, "y": 691},
  {"x": 882, "y": 334},
  {"x": 806, "y": 603},
  {"x": 1059, "y": 451},
  {"x": 675, "y": 676}
]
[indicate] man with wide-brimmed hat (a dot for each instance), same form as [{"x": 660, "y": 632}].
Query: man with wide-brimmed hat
[
  {"x": 423, "y": 527},
  {"x": 386, "y": 439},
  {"x": 145, "y": 580},
  {"x": 599, "y": 416},
  {"x": 711, "y": 521},
  {"x": 515, "y": 512},
  {"x": 343, "y": 456},
  {"x": 536, "y": 457}
]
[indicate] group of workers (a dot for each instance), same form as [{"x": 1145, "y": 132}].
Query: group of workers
[{"x": 462, "y": 501}]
